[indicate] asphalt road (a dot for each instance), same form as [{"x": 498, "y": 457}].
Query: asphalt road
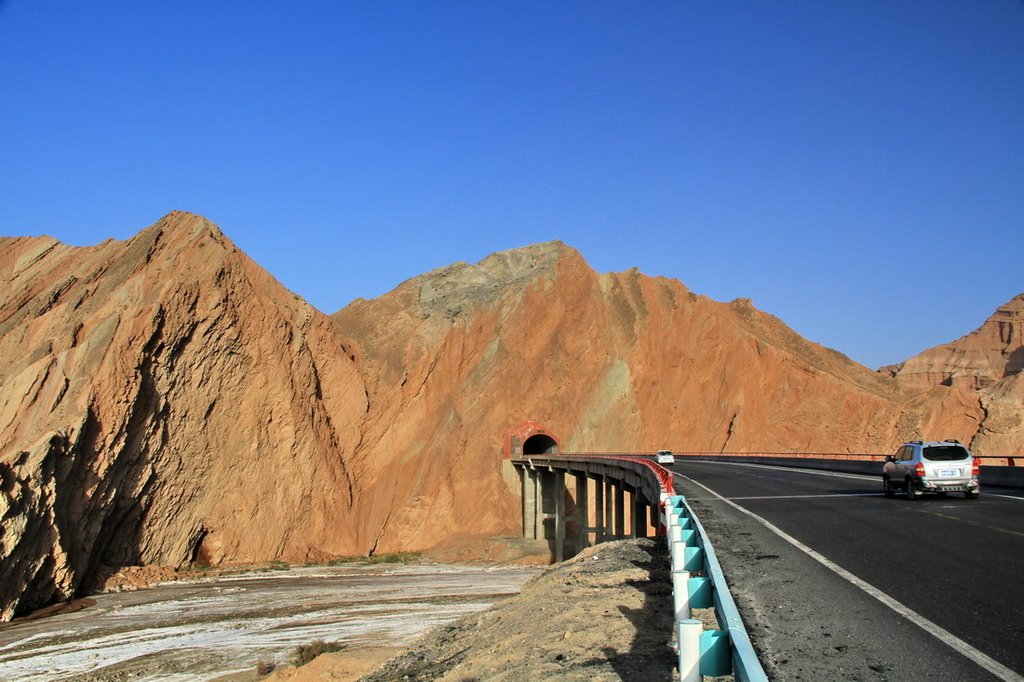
[{"x": 954, "y": 562}]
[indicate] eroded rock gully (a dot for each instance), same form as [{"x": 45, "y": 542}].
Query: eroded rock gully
[{"x": 165, "y": 401}]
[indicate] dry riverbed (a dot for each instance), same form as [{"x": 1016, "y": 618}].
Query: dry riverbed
[{"x": 228, "y": 626}]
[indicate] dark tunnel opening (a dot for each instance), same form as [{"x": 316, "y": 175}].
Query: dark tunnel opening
[{"x": 540, "y": 444}]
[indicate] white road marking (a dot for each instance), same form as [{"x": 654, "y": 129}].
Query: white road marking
[
  {"x": 1008, "y": 497},
  {"x": 775, "y": 467},
  {"x": 946, "y": 637},
  {"x": 794, "y": 497}
]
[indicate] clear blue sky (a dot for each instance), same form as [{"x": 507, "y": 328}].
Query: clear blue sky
[{"x": 855, "y": 167}]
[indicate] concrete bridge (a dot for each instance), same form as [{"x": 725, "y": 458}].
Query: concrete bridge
[{"x": 611, "y": 497}]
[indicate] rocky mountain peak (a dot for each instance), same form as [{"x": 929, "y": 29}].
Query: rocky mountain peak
[{"x": 454, "y": 288}]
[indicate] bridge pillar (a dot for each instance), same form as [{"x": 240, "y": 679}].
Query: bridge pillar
[
  {"x": 629, "y": 528},
  {"x": 608, "y": 533},
  {"x": 639, "y": 514},
  {"x": 599, "y": 535},
  {"x": 581, "y": 514},
  {"x": 620, "y": 511},
  {"x": 546, "y": 507},
  {"x": 531, "y": 499},
  {"x": 559, "y": 494}
]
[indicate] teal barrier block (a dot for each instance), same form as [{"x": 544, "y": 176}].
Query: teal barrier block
[
  {"x": 693, "y": 558},
  {"x": 700, "y": 593},
  {"x": 714, "y": 653},
  {"x": 685, "y": 522},
  {"x": 689, "y": 537}
]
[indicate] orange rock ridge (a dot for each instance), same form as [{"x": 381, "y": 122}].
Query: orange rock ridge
[{"x": 167, "y": 402}]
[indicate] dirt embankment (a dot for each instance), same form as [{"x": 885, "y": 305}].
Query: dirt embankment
[{"x": 603, "y": 615}]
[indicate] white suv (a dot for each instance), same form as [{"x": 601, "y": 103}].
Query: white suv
[{"x": 941, "y": 467}]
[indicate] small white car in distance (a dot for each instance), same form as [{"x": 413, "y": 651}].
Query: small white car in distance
[{"x": 665, "y": 457}]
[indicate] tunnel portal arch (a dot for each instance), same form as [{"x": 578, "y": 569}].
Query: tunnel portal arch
[{"x": 530, "y": 438}]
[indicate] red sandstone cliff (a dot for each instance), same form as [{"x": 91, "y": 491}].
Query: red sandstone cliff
[{"x": 166, "y": 401}]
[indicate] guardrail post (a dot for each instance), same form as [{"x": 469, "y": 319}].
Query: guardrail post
[
  {"x": 663, "y": 513},
  {"x": 681, "y": 593},
  {"x": 688, "y": 633},
  {"x": 677, "y": 551}
]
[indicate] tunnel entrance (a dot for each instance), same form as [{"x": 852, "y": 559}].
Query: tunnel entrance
[
  {"x": 530, "y": 438},
  {"x": 540, "y": 444}
]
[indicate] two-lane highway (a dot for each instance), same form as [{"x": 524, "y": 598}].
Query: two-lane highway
[{"x": 826, "y": 569}]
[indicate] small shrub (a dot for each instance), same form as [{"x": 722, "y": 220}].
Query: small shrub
[
  {"x": 264, "y": 668},
  {"x": 393, "y": 558},
  {"x": 304, "y": 653}
]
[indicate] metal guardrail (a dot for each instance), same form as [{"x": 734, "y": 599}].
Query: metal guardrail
[{"x": 726, "y": 650}]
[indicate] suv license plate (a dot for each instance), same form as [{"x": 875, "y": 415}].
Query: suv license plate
[{"x": 948, "y": 473}]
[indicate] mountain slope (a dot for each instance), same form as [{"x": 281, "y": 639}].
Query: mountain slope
[{"x": 164, "y": 401}]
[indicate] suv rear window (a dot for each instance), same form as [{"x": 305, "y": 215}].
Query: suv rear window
[{"x": 945, "y": 453}]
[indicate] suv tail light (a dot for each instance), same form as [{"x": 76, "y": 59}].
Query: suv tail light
[
  {"x": 975, "y": 467},
  {"x": 919, "y": 470}
]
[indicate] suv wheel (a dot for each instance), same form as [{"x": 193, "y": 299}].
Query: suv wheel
[
  {"x": 912, "y": 492},
  {"x": 971, "y": 495},
  {"x": 887, "y": 488}
]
